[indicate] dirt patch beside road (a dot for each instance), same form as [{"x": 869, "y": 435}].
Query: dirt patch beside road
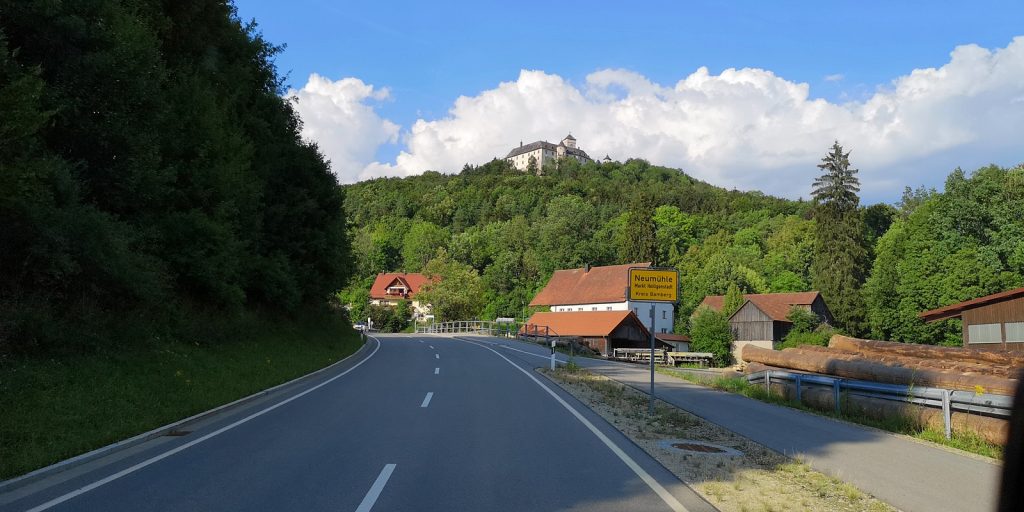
[{"x": 734, "y": 473}]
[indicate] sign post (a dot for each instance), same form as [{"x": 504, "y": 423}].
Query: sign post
[{"x": 653, "y": 285}]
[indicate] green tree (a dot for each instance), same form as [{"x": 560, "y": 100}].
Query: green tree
[
  {"x": 639, "y": 240},
  {"x": 839, "y": 264},
  {"x": 566, "y": 231},
  {"x": 803, "y": 320},
  {"x": 710, "y": 332},
  {"x": 733, "y": 300},
  {"x": 960, "y": 244},
  {"x": 455, "y": 291},
  {"x": 403, "y": 311},
  {"x": 675, "y": 231},
  {"x": 421, "y": 243}
]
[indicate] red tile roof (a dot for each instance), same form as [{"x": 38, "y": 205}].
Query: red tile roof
[
  {"x": 954, "y": 310},
  {"x": 583, "y": 323},
  {"x": 384, "y": 280},
  {"x": 775, "y": 305},
  {"x": 579, "y": 286}
]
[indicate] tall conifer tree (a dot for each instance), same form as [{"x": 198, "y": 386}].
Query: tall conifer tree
[
  {"x": 640, "y": 241},
  {"x": 838, "y": 266}
]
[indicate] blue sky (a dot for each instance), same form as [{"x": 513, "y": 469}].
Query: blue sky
[{"x": 420, "y": 57}]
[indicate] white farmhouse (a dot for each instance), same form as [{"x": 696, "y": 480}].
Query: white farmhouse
[{"x": 602, "y": 289}]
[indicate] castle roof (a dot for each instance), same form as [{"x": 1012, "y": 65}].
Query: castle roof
[{"x": 541, "y": 144}]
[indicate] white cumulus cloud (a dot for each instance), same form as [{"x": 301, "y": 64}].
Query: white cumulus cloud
[
  {"x": 746, "y": 128},
  {"x": 339, "y": 117}
]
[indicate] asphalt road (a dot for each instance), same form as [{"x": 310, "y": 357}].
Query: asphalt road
[
  {"x": 412, "y": 423},
  {"x": 910, "y": 475}
]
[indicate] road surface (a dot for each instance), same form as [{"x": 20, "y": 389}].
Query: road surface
[
  {"x": 411, "y": 423},
  {"x": 910, "y": 475}
]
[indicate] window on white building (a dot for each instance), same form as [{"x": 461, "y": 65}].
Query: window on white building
[
  {"x": 609, "y": 308},
  {"x": 664, "y": 315},
  {"x": 593, "y": 308}
]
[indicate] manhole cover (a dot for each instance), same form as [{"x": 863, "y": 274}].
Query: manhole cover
[
  {"x": 692, "y": 447},
  {"x": 703, "y": 448},
  {"x": 178, "y": 433}
]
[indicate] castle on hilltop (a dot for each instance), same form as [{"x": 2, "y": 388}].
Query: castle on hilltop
[{"x": 541, "y": 152}]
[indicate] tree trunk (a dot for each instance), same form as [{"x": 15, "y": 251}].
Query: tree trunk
[
  {"x": 825, "y": 363},
  {"x": 969, "y": 355},
  {"x": 905, "y": 361}
]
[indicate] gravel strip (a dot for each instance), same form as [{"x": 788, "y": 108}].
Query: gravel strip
[{"x": 756, "y": 479}]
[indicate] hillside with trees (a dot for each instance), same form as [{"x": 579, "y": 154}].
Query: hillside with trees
[
  {"x": 510, "y": 230},
  {"x": 513, "y": 229}
]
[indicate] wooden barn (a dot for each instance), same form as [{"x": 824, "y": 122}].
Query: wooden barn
[
  {"x": 761, "y": 320},
  {"x": 992, "y": 322}
]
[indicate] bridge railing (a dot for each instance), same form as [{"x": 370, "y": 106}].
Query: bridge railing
[{"x": 484, "y": 327}]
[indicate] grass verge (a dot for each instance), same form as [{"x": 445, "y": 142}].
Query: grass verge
[
  {"x": 56, "y": 408},
  {"x": 966, "y": 441},
  {"x": 755, "y": 479}
]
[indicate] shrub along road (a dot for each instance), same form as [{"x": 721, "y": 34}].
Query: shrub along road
[
  {"x": 908, "y": 474},
  {"x": 414, "y": 423}
]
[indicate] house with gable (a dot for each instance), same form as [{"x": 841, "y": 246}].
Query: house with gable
[
  {"x": 591, "y": 303},
  {"x": 761, "y": 320},
  {"x": 390, "y": 287}
]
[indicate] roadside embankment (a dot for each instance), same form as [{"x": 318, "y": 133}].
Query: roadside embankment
[{"x": 56, "y": 408}]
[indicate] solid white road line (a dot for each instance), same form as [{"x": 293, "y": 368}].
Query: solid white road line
[
  {"x": 376, "y": 488},
  {"x": 437, "y": 356},
  {"x": 437, "y": 371},
  {"x": 663, "y": 493},
  {"x": 99, "y": 483},
  {"x": 426, "y": 399},
  {"x": 548, "y": 356},
  {"x": 431, "y": 346}
]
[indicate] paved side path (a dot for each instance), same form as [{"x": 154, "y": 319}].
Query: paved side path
[{"x": 912, "y": 476}]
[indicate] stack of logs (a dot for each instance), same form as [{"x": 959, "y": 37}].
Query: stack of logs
[{"x": 907, "y": 364}]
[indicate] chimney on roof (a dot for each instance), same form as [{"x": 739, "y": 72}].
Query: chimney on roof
[
  {"x": 520, "y": 143},
  {"x": 586, "y": 268}
]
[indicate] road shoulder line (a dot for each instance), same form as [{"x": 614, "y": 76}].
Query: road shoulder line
[
  {"x": 658, "y": 489},
  {"x": 84, "y": 458},
  {"x": 157, "y": 458}
]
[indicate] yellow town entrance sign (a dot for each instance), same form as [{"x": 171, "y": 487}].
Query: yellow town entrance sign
[{"x": 653, "y": 285}]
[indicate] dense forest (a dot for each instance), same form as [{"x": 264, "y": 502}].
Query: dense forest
[
  {"x": 151, "y": 173},
  {"x": 504, "y": 232}
]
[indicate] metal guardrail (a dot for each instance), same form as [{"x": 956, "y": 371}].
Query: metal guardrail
[{"x": 949, "y": 400}]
